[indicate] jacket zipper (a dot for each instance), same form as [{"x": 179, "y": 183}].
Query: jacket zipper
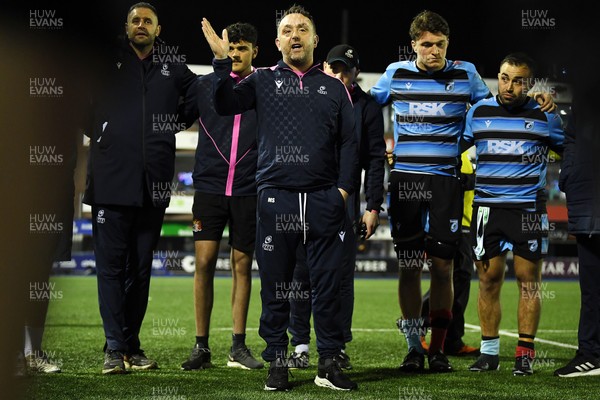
[{"x": 143, "y": 75}]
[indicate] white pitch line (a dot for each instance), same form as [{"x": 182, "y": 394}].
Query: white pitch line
[
  {"x": 549, "y": 330},
  {"x": 472, "y": 328},
  {"x": 516, "y": 335}
]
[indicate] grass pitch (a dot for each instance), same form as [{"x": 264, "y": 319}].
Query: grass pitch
[{"x": 74, "y": 337}]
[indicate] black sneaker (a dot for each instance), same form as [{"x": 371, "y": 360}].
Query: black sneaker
[
  {"x": 438, "y": 362},
  {"x": 581, "y": 365},
  {"x": 199, "y": 359},
  {"x": 113, "y": 363},
  {"x": 413, "y": 362},
  {"x": 486, "y": 362},
  {"x": 298, "y": 360},
  {"x": 523, "y": 366},
  {"x": 343, "y": 360},
  {"x": 138, "y": 361},
  {"x": 242, "y": 358},
  {"x": 277, "y": 379},
  {"x": 330, "y": 375}
]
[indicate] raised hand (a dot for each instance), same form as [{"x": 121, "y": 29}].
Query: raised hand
[{"x": 219, "y": 47}]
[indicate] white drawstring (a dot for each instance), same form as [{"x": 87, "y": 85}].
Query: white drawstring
[{"x": 302, "y": 206}]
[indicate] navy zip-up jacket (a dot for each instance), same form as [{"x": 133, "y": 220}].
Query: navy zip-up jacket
[
  {"x": 226, "y": 153},
  {"x": 579, "y": 177},
  {"x": 137, "y": 112},
  {"x": 303, "y": 119},
  {"x": 370, "y": 132}
]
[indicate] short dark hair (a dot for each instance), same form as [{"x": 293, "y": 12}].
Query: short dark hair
[
  {"x": 242, "y": 31},
  {"x": 428, "y": 21},
  {"x": 143, "y": 4},
  {"x": 298, "y": 9},
  {"x": 520, "y": 59}
]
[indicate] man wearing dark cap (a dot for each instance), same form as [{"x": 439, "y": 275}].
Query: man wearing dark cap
[{"x": 343, "y": 63}]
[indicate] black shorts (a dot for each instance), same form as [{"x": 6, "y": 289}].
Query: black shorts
[
  {"x": 421, "y": 204},
  {"x": 213, "y": 212},
  {"x": 498, "y": 230}
]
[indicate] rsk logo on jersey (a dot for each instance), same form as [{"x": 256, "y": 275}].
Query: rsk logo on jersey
[
  {"x": 165, "y": 70},
  {"x": 322, "y": 90},
  {"x": 426, "y": 108},
  {"x": 271, "y": 200},
  {"x": 505, "y": 146}
]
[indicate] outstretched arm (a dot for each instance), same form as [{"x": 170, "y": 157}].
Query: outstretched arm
[{"x": 219, "y": 46}]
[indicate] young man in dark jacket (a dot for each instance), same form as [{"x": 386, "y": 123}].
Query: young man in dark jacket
[
  {"x": 225, "y": 195},
  {"x": 343, "y": 63},
  {"x": 304, "y": 118},
  {"x": 130, "y": 170}
]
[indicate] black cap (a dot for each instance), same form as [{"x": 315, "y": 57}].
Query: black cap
[{"x": 344, "y": 53}]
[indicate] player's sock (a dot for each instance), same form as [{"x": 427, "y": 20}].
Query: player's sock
[
  {"x": 202, "y": 341},
  {"x": 238, "y": 341},
  {"x": 413, "y": 329},
  {"x": 440, "y": 319},
  {"x": 490, "y": 345},
  {"x": 525, "y": 346}
]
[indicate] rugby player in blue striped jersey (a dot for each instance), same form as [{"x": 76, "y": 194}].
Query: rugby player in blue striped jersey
[{"x": 512, "y": 138}]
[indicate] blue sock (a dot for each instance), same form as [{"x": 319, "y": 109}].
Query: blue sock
[
  {"x": 413, "y": 328},
  {"x": 490, "y": 345}
]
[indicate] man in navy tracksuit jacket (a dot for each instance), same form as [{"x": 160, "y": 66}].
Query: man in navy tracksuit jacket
[
  {"x": 343, "y": 63},
  {"x": 304, "y": 118},
  {"x": 130, "y": 171}
]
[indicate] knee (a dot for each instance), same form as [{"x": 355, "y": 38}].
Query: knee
[
  {"x": 205, "y": 264},
  {"x": 528, "y": 284},
  {"x": 490, "y": 282},
  {"x": 439, "y": 249},
  {"x": 242, "y": 258},
  {"x": 408, "y": 246},
  {"x": 410, "y": 274},
  {"x": 441, "y": 273}
]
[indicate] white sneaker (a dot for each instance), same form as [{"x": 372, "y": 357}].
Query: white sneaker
[{"x": 39, "y": 362}]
